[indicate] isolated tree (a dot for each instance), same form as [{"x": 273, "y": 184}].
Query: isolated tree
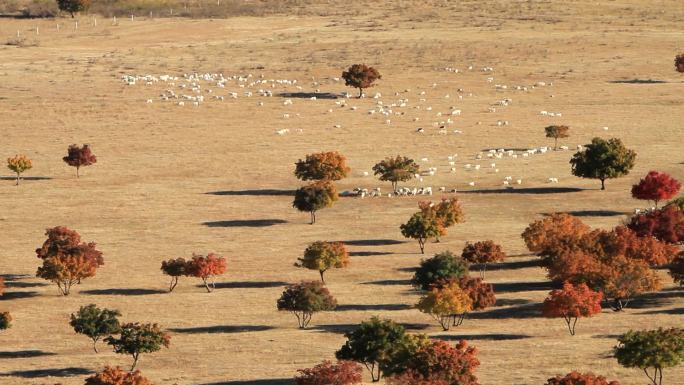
[
  {"x": 679, "y": 62},
  {"x": 556, "y": 132},
  {"x": 5, "y": 320},
  {"x": 322, "y": 166},
  {"x": 677, "y": 269},
  {"x": 651, "y": 350},
  {"x": 95, "y": 323},
  {"x": 322, "y": 256},
  {"x": 360, "y": 76},
  {"x": 481, "y": 294},
  {"x": 444, "y": 302},
  {"x": 447, "y": 213},
  {"x": 603, "y": 159},
  {"x": 482, "y": 253},
  {"x": 73, "y": 6},
  {"x": 328, "y": 373},
  {"x": 656, "y": 186},
  {"x": 206, "y": 268},
  {"x": 79, "y": 157},
  {"x": 375, "y": 343},
  {"x": 443, "y": 266},
  {"x": 439, "y": 363},
  {"x": 420, "y": 227},
  {"x": 117, "y": 376},
  {"x": 175, "y": 268},
  {"x": 547, "y": 236},
  {"x": 314, "y": 197},
  {"x": 136, "y": 338},
  {"x": 576, "y": 378},
  {"x": 304, "y": 299},
  {"x": 395, "y": 170},
  {"x": 18, "y": 164},
  {"x": 666, "y": 224},
  {"x": 571, "y": 303},
  {"x": 67, "y": 260}
]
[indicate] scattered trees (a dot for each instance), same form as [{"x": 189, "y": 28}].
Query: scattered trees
[
  {"x": 576, "y": 378},
  {"x": 482, "y": 253},
  {"x": 136, "y": 338},
  {"x": 322, "y": 256},
  {"x": 481, "y": 294},
  {"x": 442, "y": 267},
  {"x": 18, "y": 164},
  {"x": 375, "y": 343},
  {"x": 360, "y": 76},
  {"x": 73, "y": 6},
  {"x": 447, "y": 213},
  {"x": 571, "y": 303},
  {"x": 444, "y": 302},
  {"x": 304, "y": 299},
  {"x": 679, "y": 62},
  {"x": 79, "y": 157},
  {"x": 314, "y": 197},
  {"x": 439, "y": 363},
  {"x": 603, "y": 159},
  {"x": 117, "y": 376},
  {"x": 666, "y": 224},
  {"x": 175, "y": 268},
  {"x": 95, "y": 323},
  {"x": 655, "y": 187},
  {"x": 206, "y": 268},
  {"x": 67, "y": 260},
  {"x": 421, "y": 227},
  {"x": 556, "y": 132},
  {"x": 327, "y": 373},
  {"x": 322, "y": 166},
  {"x": 395, "y": 170},
  {"x": 651, "y": 350},
  {"x": 5, "y": 320}
]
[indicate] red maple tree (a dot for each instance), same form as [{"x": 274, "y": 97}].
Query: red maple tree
[
  {"x": 206, "y": 267},
  {"x": 655, "y": 187},
  {"x": 576, "y": 378},
  {"x": 571, "y": 303},
  {"x": 327, "y": 373},
  {"x": 666, "y": 224},
  {"x": 79, "y": 157}
]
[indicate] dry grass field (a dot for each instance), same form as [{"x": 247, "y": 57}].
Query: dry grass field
[{"x": 172, "y": 180}]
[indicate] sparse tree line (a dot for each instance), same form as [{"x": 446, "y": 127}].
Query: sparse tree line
[{"x": 76, "y": 157}]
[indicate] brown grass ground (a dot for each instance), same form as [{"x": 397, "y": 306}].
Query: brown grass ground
[{"x": 147, "y": 198}]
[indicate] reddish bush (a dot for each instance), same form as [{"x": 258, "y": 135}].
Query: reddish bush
[
  {"x": 438, "y": 362},
  {"x": 571, "y": 303},
  {"x": 327, "y": 373},
  {"x": 666, "y": 224},
  {"x": 206, "y": 268},
  {"x": 576, "y": 378},
  {"x": 67, "y": 260},
  {"x": 483, "y": 252},
  {"x": 655, "y": 187},
  {"x": 79, "y": 157},
  {"x": 360, "y": 76},
  {"x": 117, "y": 376}
]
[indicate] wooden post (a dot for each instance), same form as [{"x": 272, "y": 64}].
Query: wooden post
[
  {"x": 57, "y": 27},
  {"x": 94, "y": 21},
  {"x": 18, "y": 34},
  {"x": 131, "y": 17},
  {"x": 37, "y": 32},
  {"x": 76, "y": 26}
]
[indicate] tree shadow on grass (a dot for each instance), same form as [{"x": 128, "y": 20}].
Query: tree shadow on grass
[
  {"x": 481, "y": 337},
  {"x": 343, "y": 328},
  {"x": 675, "y": 311},
  {"x": 657, "y": 299},
  {"x": 509, "y": 265},
  {"x": 511, "y": 302},
  {"x": 224, "y": 329},
  {"x": 526, "y": 190},
  {"x": 246, "y": 223},
  {"x": 10, "y": 295},
  {"x": 24, "y": 354},
  {"x": 592, "y": 213},
  {"x": 37, "y": 373},
  {"x": 26, "y": 178},
  {"x": 372, "y": 242},
  {"x": 309, "y": 95},
  {"x": 249, "y": 284},
  {"x": 374, "y": 307},
  {"x": 15, "y": 280},
  {"x": 270, "y": 381},
  {"x": 262, "y": 192},
  {"x": 532, "y": 310},
  {"x": 515, "y": 287},
  {"x": 638, "y": 81},
  {"x": 389, "y": 282},
  {"x": 123, "y": 292},
  {"x": 368, "y": 253}
]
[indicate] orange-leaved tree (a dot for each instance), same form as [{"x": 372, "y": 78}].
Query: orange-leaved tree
[
  {"x": 444, "y": 302},
  {"x": 322, "y": 256},
  {"x": 67, "y": 260},
  {"x": 548, "y": 236},
  {"x": 577, "y": 378},
  {"x": 571, "y": 303},
  {"x": 447, "y": 213},
  {"x": 328, "y": 373},
  {"x": 18, "y": 164},
  {"x": 481, "y": 294},
  {"x": 437, "y": 362},
  {"x": 360, "y": 76},
  {"x": 79, "y": 157},
  {"x": 421, "y": 227},
  {"x": 482, "y": 253},
  {"x": 322, "y": 166},
  {"x": 206, "y": 268}
]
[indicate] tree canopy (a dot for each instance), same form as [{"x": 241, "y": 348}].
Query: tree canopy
[
  {"x": 395, "y": 170},
  {"x": 360, "y": 76},
  {"x": 322, "y": 166},
  {"x": 603, "y": 159}
]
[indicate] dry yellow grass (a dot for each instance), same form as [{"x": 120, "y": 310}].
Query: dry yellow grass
[{"x": 147, "y": 197}]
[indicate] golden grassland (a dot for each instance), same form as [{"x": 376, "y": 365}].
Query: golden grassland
[{"x": 174, "y": 180}]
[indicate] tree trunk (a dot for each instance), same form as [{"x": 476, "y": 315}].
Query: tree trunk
[
  {"x": 445, "y": 322},
  {"x": 17, "y": 179},
  {"x": 421, "y": 243},
  {"x": 135, "y": 361},
  {"x": 321, "y": 272},
  {"x": 360, "y": 92},
  {"x": 483, "y": 271},
  {"x": 571, "y": 324},
  {"x": 603, "y": 184},
  {"x": 313, "y": 217},
  {"x": 72, "y": 14},
  {"x": 174, "y": 282},
  {"x": 394, "y": 186},
  {"x": 77, "y": 167},
  {"x": 555, "y": 144},
  {"x": 206, "y": 285},
  {"x": 95, "y": 345}
]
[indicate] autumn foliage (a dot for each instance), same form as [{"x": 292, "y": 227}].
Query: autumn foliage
[
  {"x": 577, "y": 378},
  {"x": 395, "y": 170},
  {"x": 322, "y": 166},
  {"x": 18, "y": 164},
  {"x": 677, "y": 269},
  {"x": 421, "y": 227},
  {"x": 571, "y": 303},
  {"x": 679, "y": 62},
  {"x": 314, "y": 197},
  {"x": 444, "y": 302},
  {"x": 656, "y": 186},
  {"x": 446, "y": 213},
  {"x": 556, "y": 132},
  {"x": 117, "y": 376},
  {"x": 206, "y": 268},
  {"x": 328, "y": 373},
  {"x": 322, "y": 256},
  {"x": 304, "y": 299},
  {"x": 558, "y": 231},
  {"x": 67, "y": 260},
  {"x": 175, "y": 268},
  {"x": 439, "y": 363},
  {"x": 360, "y": 76},
  {"x": 666, "y": 224},
  {"x": 482, "y": 253},
  {"x": 79, "y": 157}
]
